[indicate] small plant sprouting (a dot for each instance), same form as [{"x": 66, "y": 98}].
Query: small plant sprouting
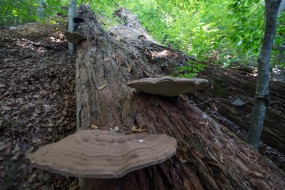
[{"x": 190, "y": 70}]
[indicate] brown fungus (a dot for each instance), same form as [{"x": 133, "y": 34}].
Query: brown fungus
[
  {"x": 74, "y": 37},
  {"x": 103, "y": 154},
  {"x": 168, "y": 86}
]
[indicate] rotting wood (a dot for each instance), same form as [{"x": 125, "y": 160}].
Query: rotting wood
[{"x": 206, "y": 157}]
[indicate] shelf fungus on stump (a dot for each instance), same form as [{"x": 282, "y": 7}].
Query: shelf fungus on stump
[
  {"x": 102, "y": 155},
  {"x": 168, "y": 86},
  {"x": 74, "y": 37}
]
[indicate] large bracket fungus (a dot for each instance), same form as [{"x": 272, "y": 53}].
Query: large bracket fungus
[
  {"x": 74, "y": 37},
  {"x": 103, "y": 154},
  {"x": 168, "y": 86}
]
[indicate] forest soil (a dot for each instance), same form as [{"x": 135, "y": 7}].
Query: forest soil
[{"x": 37, "y": 103}]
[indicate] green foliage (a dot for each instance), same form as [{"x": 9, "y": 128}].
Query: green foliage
[
  {"x": 15, "y": 12},
  {"x": 279, "y": 41},
  {"x": 150, "y": 15},
  {"x": 190, "y": 70},
  {"x": 229, "y": 30},
  {"x": 232, "y": 29},
  {"x": 104, "y": 8}
]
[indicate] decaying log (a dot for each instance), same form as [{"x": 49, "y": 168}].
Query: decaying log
[
  {"x": 206, "y": 157},
  {"x": 231, "y": 85}
]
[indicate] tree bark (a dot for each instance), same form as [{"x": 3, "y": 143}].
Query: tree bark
[
  {"x": 41, "y": 9},
  {"x": 206, "y": 157},
  {"x": 262, "y": 88},
  {"x": 282, "y": 7},
  {"x": 71, "y": 24}
]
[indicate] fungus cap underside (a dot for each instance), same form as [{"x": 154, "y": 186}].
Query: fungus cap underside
[
  {"x": 168, "y": 86},
  {"x": 103, "y": 154}
]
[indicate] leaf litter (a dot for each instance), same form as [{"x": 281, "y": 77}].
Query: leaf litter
[{"x": 37, "y": 103}]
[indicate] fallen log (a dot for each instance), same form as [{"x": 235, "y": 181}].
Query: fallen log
[
  {"x": 206, "y": 157},
  {"x": 240, "y": 84}
]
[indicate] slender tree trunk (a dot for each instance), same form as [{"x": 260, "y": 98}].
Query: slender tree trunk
[
  {"x": 71, "y": 24},
  {"x": 281, "y": 48},
  {"x": 41, "y": 9},
  {"x": 282, "y": 6},
  {"x": 262, "y": 89}
]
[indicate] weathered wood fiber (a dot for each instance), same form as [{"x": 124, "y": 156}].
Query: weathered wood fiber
[{"x": 230, "y": 84}]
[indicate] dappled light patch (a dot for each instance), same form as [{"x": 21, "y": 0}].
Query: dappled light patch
[
  {"x": 27, "y": 44},
  {"x": 163, "y": 54},
  {"x": 59, "y": 39}
]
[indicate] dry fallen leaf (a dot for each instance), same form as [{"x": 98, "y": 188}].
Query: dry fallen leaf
[
  {"x": 221, "y": 158},
  {"x": 138, "y": 129},
  {"x": 204, "y": 123},
  {"x": 182, "y": 160},
  {"x": 129, "y": 68},
  {"x": 256, "y": 174},
  {"x": 94, "y": 127},
  {"x": 114, "y": 129},
  {"x": 101, "y": 87}
]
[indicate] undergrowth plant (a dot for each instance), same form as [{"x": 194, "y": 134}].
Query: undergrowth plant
[
  {"x": 15, "y": 12},
  {"x": 221, "y": 31},
  {"x": 190, "y": 70}
]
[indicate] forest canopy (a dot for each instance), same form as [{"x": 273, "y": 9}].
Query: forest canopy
[{"x": 218, "y": 31}]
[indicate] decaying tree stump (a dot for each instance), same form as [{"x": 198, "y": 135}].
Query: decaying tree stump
[{"x": 206, "y": 158}]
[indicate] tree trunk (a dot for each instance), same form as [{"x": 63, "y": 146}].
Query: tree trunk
[
  {"x": 262, "y": 89},
  {"x": 71, "y": 24},
  {"x": 282, "y": 7},
  {"x": 206, "y": 157},
  {"x": 41, "y": 9},
  {"x": 238, "y": 83}
]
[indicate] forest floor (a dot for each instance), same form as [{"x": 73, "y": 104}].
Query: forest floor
[{"x": 37, "y": 104}]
